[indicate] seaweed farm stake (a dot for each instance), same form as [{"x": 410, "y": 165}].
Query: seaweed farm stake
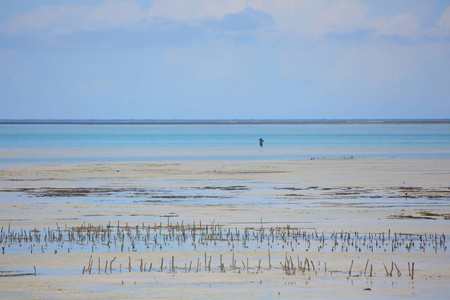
[
  {"x": 173, "y": 264},
  {"x": 387, "y": 273},
  {"x": 398, "y": 271},
  {"x": 129, "y": 264},
  {"x": 110, "y": 264}
]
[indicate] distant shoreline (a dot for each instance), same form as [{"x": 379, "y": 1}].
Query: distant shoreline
[{"x": 222, "y": 122}]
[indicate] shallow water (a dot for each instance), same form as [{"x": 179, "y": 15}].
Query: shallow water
[
  {"x": 57, "y": 143},
  {"x": 39, "y": 272}
]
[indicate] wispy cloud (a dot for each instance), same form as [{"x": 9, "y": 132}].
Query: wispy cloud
[
  {"x": 248, "y": 19},
  {"x": 313, "y": 18},
  {"x": 341, "y": 16},
  {"x": 442, "y": 27},
  {"x": 402, "y": 25},
  {"x": 185, "y": 11},
  {"x": 62, "y": 19}
]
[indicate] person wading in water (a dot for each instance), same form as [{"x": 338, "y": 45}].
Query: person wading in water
[{"x": 261, "y": 142}]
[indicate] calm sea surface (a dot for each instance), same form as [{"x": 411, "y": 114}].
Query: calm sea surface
[{"x": 69, "y": 143}]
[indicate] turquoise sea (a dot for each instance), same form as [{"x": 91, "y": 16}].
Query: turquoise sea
[{"x": 76, "y": 143}]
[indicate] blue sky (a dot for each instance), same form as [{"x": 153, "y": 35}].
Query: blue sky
[{"x": 224, "y": 59}]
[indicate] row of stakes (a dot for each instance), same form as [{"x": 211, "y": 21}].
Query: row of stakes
[
  {"x": 198, "y": 237},
  {"x": 288, "y": 266}
]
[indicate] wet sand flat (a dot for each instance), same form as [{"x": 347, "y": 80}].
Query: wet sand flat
[{"x": 226, "y": 229}]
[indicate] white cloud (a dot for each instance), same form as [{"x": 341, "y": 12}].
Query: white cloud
[
  {"x": 444, "y": 21},
  {"x": 291, "y": 15},
  {"x": 68, "y": 18},
  {"x": 43, "y": 18},
  {"x": 313, "y": 18},
  {"x": 341, "y": 16},
  {"x": 116, "y": 13},
  {"x": 188, "y": 10},
  {"x": 402, "y": 25},
  {"x": 442, "y": 28}
]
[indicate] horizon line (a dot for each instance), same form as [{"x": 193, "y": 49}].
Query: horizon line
[{"x": 222, "y": 121}]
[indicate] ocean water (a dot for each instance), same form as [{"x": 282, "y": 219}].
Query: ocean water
[{"x": 76, "y": 143}]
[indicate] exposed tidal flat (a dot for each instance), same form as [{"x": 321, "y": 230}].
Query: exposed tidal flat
[{"x": 322, "y": 228}]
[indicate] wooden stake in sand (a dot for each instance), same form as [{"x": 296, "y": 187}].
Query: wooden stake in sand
[
  {"x": 365, "y": 269},
  {"x": 110, "y": 264},
  {"x": 129, "y": 264},
  {"x": 306, "y": 262},
  {"x": 398, "y": 271},
  {"x": 91, "y": 262},
  {"x": 387, "y": 272},
  {"x": 173, "y": 264}
]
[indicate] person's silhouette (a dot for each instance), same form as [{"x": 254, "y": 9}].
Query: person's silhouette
[{"x": 261, "y": 142}]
